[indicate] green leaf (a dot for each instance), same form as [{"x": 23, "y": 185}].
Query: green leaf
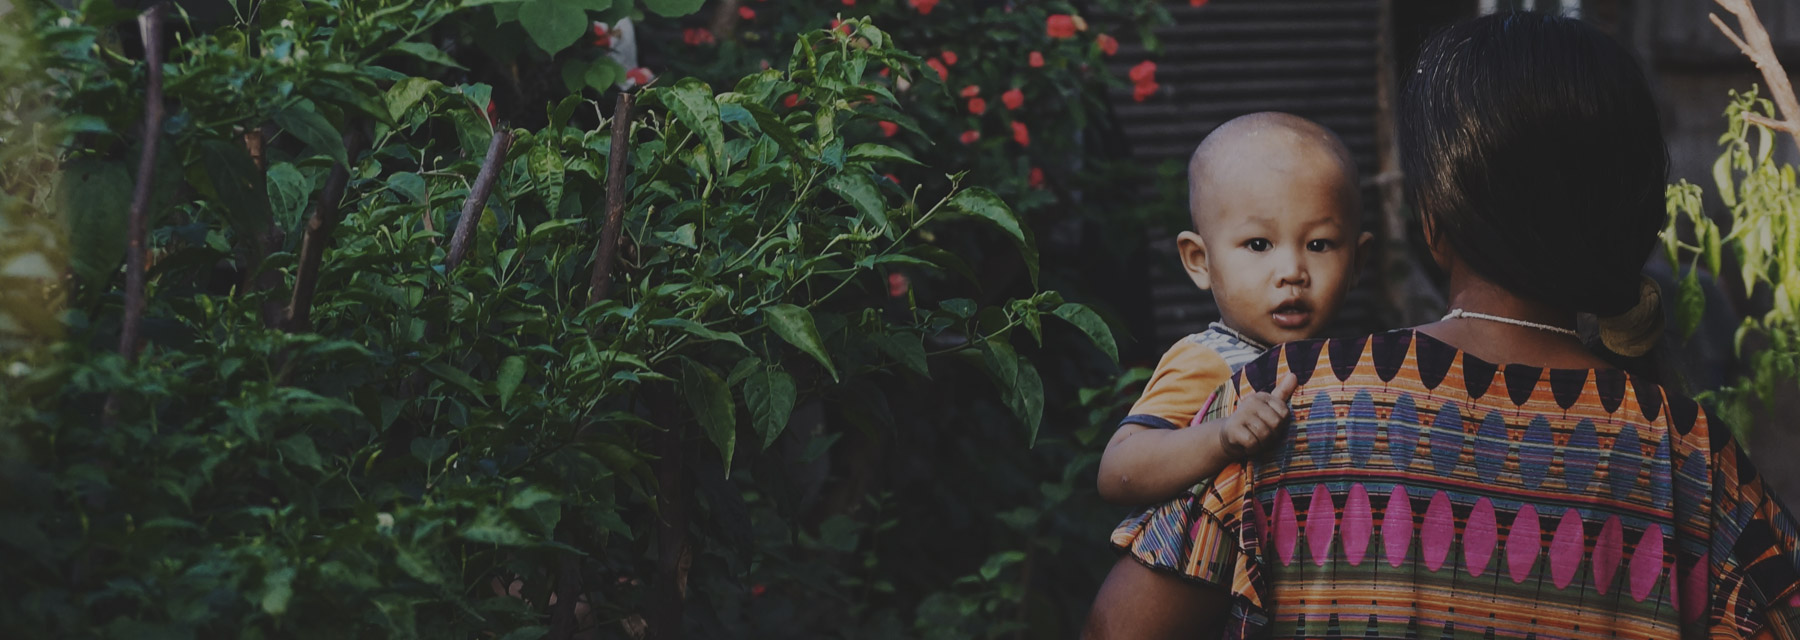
[
  {"x": 983, "y": 204},
  {"x": 546, "y": 165},
  {"x": 1019, "y": 383},
  {"x": 305, "y": 123},
  {"x": 512, "y": 372},
  {"x": 560, "y": 115},
  {"x": 603, "y": 74},
  {"x": 860, "y": 192},
  {"x": 673, "y": 8},
  {"x": 242, "y": 188},
  {"x": 456, "y": 377},
  {"x": 425, "y": 52},
  {"x": 299, "y": 449},
  {"x": 795, "y": 325},
  {"x": 878, "y": 153},
  {"x": 1714, "y": 253},
  {"x": 908, "y": 349},
  {"x": 1090, "y": 323},
  {"x": 419, "y": 566},
  {"x": 1690, "y": 304},
  {"x": 592, "y": 5},
  {"x": 406, "y": 94},
  {"x": 1721, "y": 172},
  {"x": 429, "y": 450},
  {"x": 1030, "y": 400},
  {"x": 692, "y": 102},
  {"x": 289, "y": 193},
  {"x": 700, "y": 331},
  {"x": 278, "y": 589},
  {"x": 96, "y": 199},
  {"x": 770, "y": 395},
  {"x": 407, "y": 184},
  {"x": 710, "y": 399},
  {"x": 772, "y": 126},
  {"x": 552, "y": 24},
  {"x": 492, "y": 527},
  {"x": 946, "y": 260},
  {"x": 526, "y": 633}
]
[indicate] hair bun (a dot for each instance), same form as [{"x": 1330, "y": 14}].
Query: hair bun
[{"x": 1635, "y": 332}]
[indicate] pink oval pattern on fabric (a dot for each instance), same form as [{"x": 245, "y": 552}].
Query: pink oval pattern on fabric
[
  {"x": 1565, "y": 549},
  {"x": 1358, "y": 524},
  {"x": 1397, "y": 526},
  {"x": 1287, "y": 528},
  {"x": 1321, "y": 525},
  {"x": 1523, "y": 543},
  {"x": 1438, "y": 531},
  {"x": 1693, "y": 589},
  {"x": 1609, "y": 549},
  {"x": 1647, "y": 563},
  {"x": 1479, "y": 536}
]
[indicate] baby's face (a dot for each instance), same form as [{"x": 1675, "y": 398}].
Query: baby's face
[{"x": 1279, "y": 249}]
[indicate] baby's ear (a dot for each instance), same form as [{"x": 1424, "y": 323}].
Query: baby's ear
[{"x": 1192, "y": 250}]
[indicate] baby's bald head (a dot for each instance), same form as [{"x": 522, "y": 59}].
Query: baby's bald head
[{"x": 1250, "y": 151}]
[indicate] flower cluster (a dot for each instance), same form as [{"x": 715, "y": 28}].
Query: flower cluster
[{"x": 1143, "y": 80}]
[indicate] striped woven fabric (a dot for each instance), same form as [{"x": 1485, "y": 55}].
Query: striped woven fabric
[{"x": 1424, "y": 493}]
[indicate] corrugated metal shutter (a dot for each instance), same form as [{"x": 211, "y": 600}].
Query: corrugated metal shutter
[{"x": 1231, "y": 57}]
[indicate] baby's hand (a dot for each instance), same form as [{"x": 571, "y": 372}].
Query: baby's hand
[{"x": 1258, "y": 419}]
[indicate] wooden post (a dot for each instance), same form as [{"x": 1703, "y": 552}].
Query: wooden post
[
  {"x": 324, "y": 219},
  {"x": 607, "y": 251},
  {"x": 478, "y": 195},
  {"x": 136, "y": 251}
]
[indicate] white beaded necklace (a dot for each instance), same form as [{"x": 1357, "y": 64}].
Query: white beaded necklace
[{"x": 1459, "y": 313}]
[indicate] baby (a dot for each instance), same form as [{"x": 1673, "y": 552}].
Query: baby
[{"x": 1277, "y": 231}]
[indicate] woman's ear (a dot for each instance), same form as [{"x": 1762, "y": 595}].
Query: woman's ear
[
  {"x": 1192, "y": 249},
  {"x": 1440, "y": 250}
]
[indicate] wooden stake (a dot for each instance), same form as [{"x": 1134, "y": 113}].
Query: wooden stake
[
  {"x": 136, "y": 251},
  {"x": 478, "y": 195},
  {"x": 607, "y": 251},
  {"x": 324, "y": 219}
]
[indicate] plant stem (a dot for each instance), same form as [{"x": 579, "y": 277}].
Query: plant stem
[
  {"x": 318, "y": 232},
  {"x": 136, "y": 253},
  {"x": 478, "y": 195},
  {"x": 607, "y": 251}
]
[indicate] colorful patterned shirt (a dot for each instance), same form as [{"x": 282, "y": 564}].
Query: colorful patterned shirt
[
  {"x": 1188, "y": 374},
  {"x": 1425, "y": 493}
]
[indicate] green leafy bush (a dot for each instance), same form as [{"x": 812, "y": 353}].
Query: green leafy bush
[{"x": 441, "y": 445}]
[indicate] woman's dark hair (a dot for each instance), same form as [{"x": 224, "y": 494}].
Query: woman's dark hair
[{"x": 1531, "y": 142}]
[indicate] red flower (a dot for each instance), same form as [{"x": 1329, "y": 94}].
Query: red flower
[
  {"x": 1144, "y": 72},
  {"x": 1013, "y": 98},
  {"x": 1021, "y": 135},
  {"x": 1143, "y": 90},
  {"x": 1036, "y": 178},
  {"x": 1108, "y": 44},
  {"x": 602, "y": 37},
  {"x": 923, "y": 6},
  {"x": 792, "y": 100},
  {"x": 490, "y": 114},
  {"x": 897, "y": 285},
  {"x": 885, "y": 71},
  {"x": 949, "y": 57},
  {"x": 888, "y": 129},
  {"x": 1036, "y": 59},
  {"x": 746, "y": 13},
  {"x": 977, "y": 106},
  {"x": 756, "y": 591},
  {"x": 1196, "y": 3},
  {"x": 849, "y": 3},
  {"x": 640, "y": 75},
  {"x": 891, "y": 178},
  {"x": 971, "y": 91},
  {"x": 938, "y": 66},
  {"x": 697, "y": 37},
  {"x": 969, "y": 137},
  {"x": 839, "y": 26},
  {"x": 1060, "y": 26}
]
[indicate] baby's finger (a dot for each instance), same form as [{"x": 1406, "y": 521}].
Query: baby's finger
[{"x": 1285, "y": 385}]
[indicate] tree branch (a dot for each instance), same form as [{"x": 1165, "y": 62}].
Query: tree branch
[
  {"x": 136, "y": 253},
  {"x": 478, "y": 195},
  {"x": 324, "y": 219},
  {"x": 607, "y": 251},
  {"x": 1755, "y": 45}
]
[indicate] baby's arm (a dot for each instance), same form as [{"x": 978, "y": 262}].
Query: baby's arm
[{"x": 1143, "y": 465}]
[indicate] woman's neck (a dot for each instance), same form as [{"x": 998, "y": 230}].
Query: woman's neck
[{"x": 1504, "y": 343}]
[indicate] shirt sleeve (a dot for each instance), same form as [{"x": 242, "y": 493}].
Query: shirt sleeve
[
  {"x": 1754, "y": 559},
  {"x": 1179, "y": 388}
]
